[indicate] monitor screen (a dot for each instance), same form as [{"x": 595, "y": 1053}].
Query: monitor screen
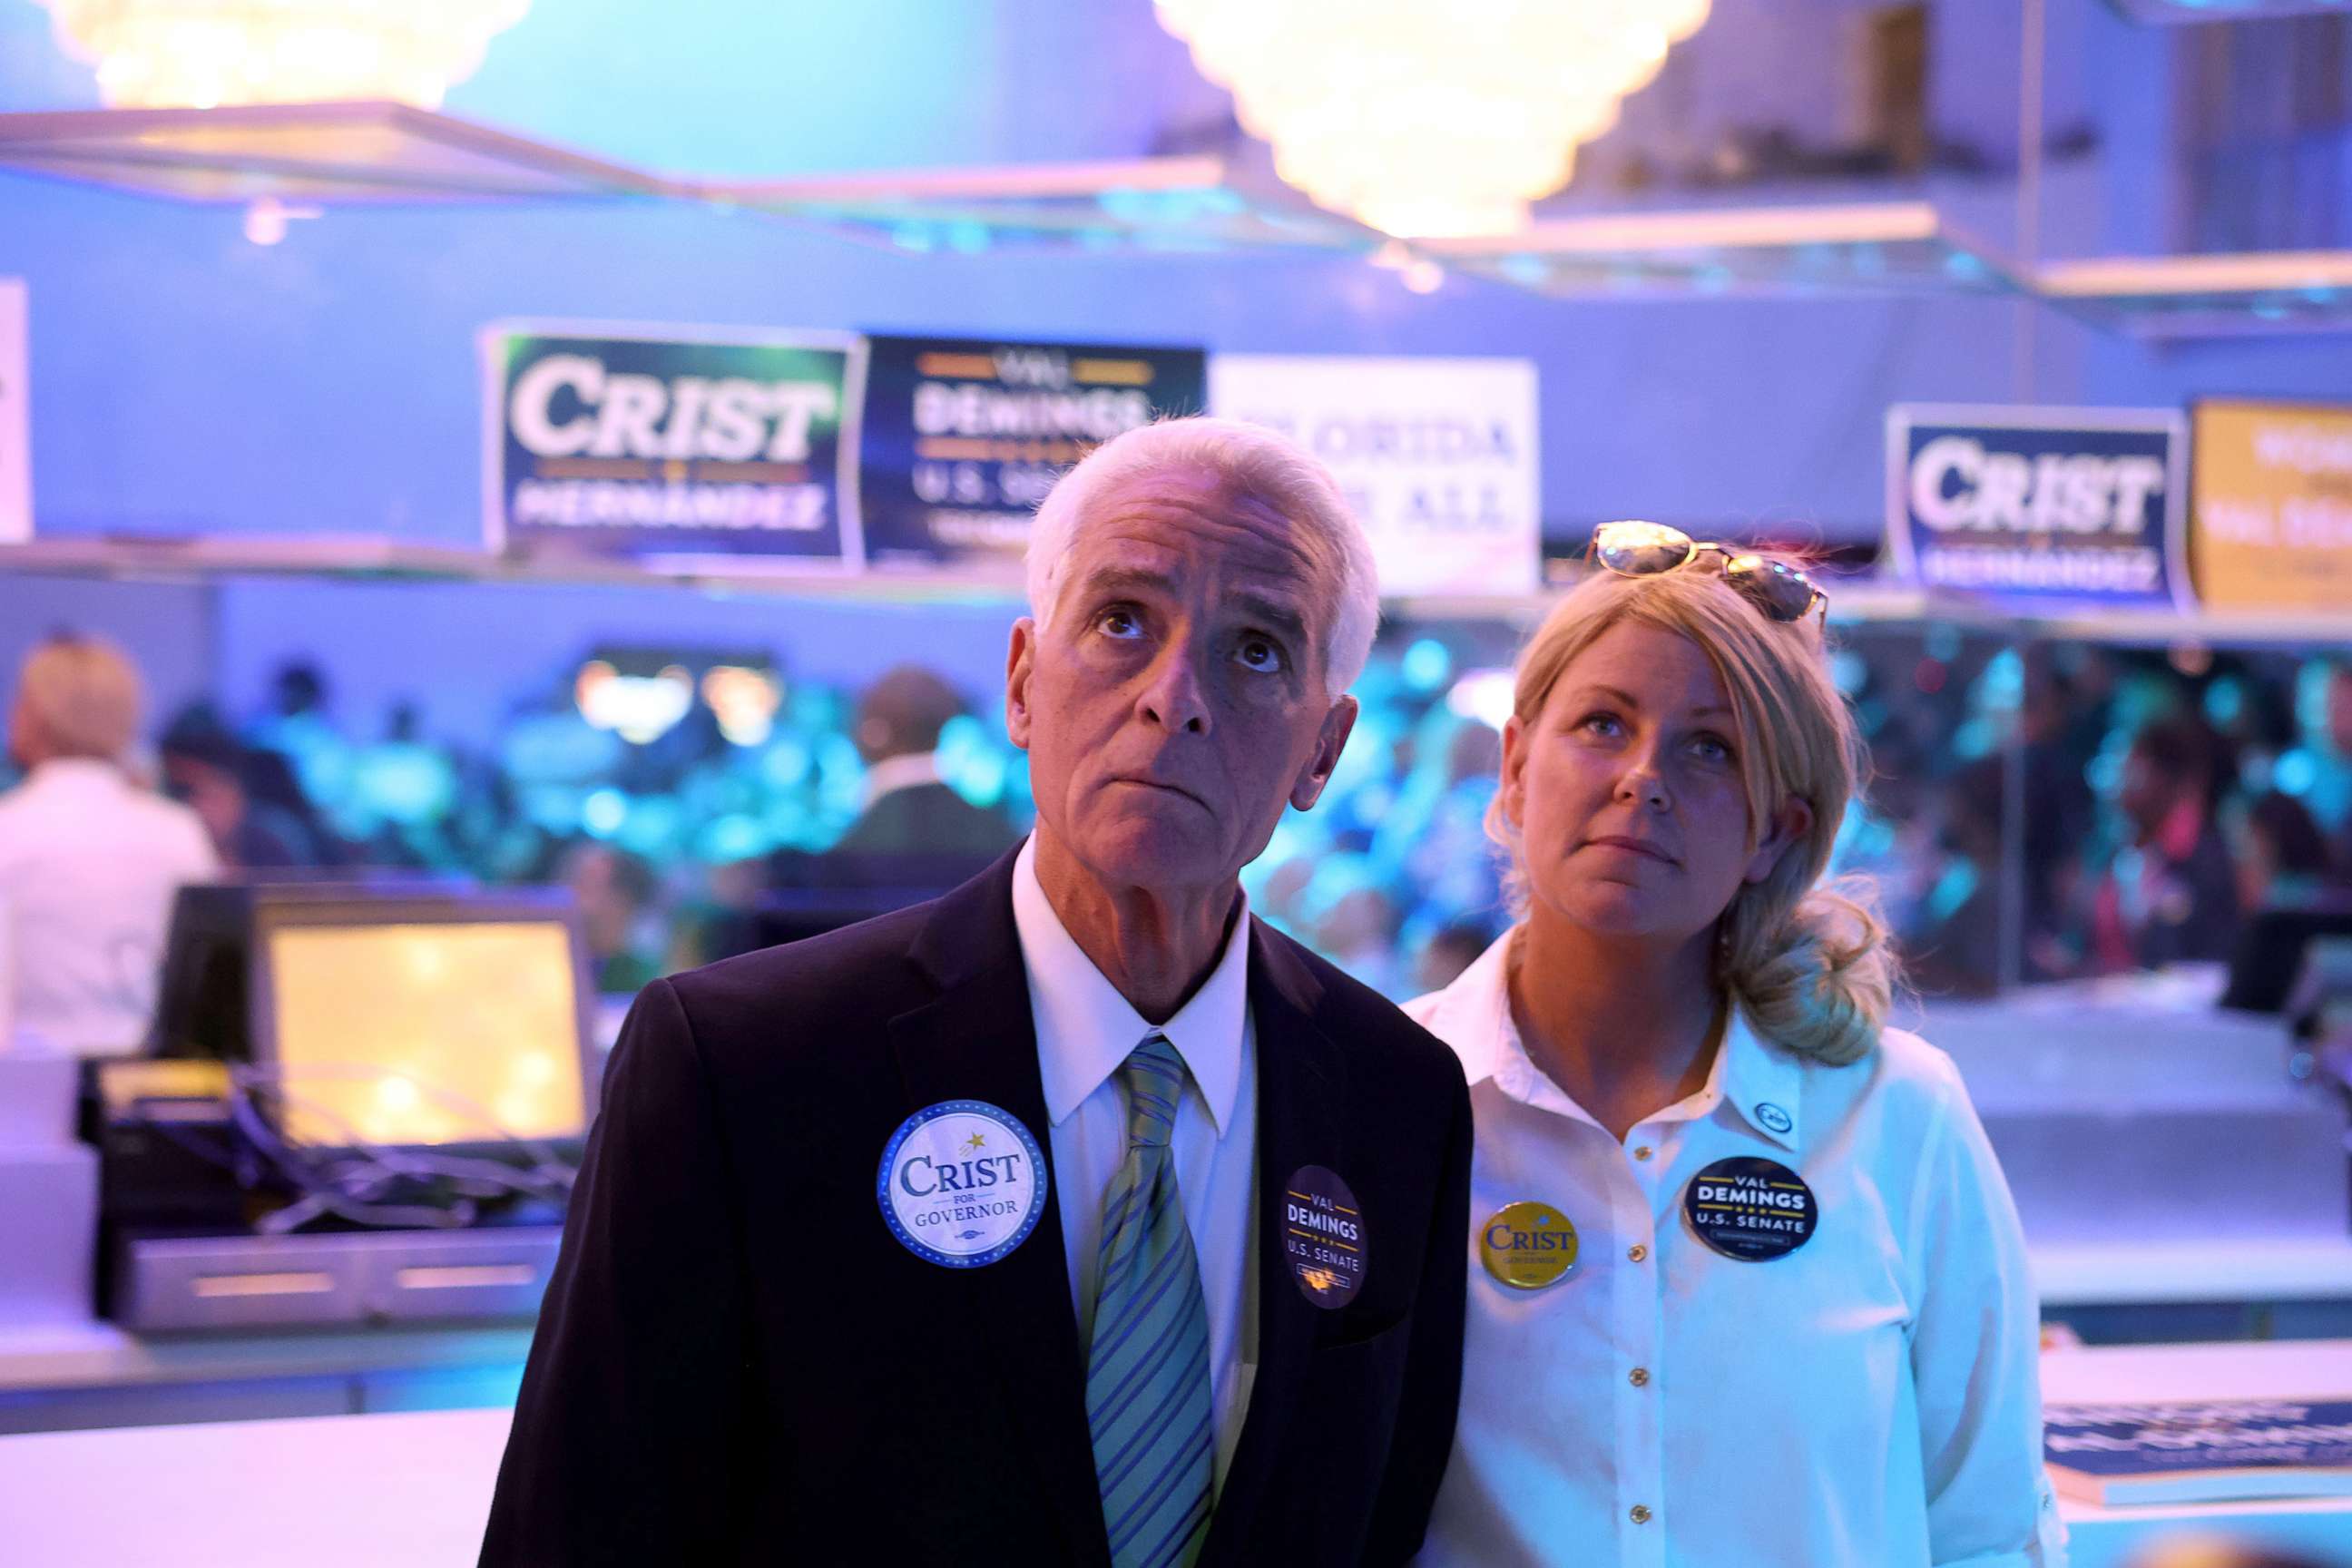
[{"x": 423, "y": 1032}]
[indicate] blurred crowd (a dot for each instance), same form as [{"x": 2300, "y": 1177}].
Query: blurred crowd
[{"x": 2038, "y": 812}]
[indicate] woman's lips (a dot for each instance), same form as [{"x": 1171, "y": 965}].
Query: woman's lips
[{"x": 1630, "y": 847}]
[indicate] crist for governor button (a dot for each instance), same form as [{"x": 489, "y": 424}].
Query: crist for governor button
[{"x": 1528, "y": 1245}]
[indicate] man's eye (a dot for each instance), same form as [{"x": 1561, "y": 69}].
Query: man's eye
[
  {"x": 1256, "y": 653},
  {"x": 1117, "y": 622}
]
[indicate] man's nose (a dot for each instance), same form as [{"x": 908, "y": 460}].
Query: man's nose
[{"x": 1173, "y": 697}]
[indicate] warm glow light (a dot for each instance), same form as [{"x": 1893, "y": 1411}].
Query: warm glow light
[
  {"x": 201, "y": 54},
  {"x": 1430, "y": 119}
]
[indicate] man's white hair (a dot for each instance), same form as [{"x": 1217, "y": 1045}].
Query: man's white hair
[{"x": 1256, "y": 464}]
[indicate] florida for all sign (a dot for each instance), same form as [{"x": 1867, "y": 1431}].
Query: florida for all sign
[
  {"x": 2040, "y": 506},
  {"x": 683, "y": 444},
  {"x": 1437, "y": 457}
]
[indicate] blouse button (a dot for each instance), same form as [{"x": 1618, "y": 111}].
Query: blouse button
[
  {"x": 1643, "y": 1152},
  {"x": 1641, "y": 1377},
  {"x": 1640, "y": 1513},
  {"x": 1637, "y": 1252}
]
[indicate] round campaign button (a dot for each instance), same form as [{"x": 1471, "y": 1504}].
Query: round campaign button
[
  {"x": 1751, "y": 1209},
  {"x": 1323, "y": 1238},
  {"x": 1528, "y": 1245},
  {"x": 963, "y": 1184},
  {"x": 1774, "y": 1119}
]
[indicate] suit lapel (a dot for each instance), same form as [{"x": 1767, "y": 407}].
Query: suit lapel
[
  {"x": 976, "y": 1040},
  {"x": 1301, "y": 1076}
]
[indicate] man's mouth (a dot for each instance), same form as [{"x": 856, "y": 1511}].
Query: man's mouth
[{"x": 1142, "y": 782}]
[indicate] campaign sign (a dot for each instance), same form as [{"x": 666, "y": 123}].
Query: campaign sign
[
  {"x": 1438, "y": 457},
  {"x": 15, "y": 416},
  {"x": 2084, "y": 506},
  {"x": 963, "y": 437},
  {"x": 2269, "y": 526},
  {"x": 684, "y": 443}
]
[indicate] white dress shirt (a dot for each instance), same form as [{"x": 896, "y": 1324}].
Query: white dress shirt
[
  {"x": 88, "y": 865},
  {"x": 1084, "y": 1031},
  {"x": 1870, "y": 1400}
]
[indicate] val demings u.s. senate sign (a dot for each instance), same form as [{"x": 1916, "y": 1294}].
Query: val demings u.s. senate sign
[
  {"x": 2040, "y": 507},
  {"x": 673, "y": 444}
]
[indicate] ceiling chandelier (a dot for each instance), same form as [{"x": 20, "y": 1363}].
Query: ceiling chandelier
[
  {"x": 1429, "y": 119},
  {"x": 202, "y": 53}
]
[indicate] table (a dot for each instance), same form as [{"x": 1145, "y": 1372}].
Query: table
[
  {"x": 411, "y": 1490},
  {"x": 66, "y": 1377},
  {"x": 408, "y": 1491},
  {"x": 2277, "y": 1369}
]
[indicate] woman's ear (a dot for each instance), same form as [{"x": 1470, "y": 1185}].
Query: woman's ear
[
  {"x": 1788, "y": 828},
  {"x": 1515, "y": 769}
]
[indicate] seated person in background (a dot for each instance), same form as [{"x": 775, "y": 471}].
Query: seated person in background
[
  {"x": 2283, "y": 857},
  {"x": 613, "y": 890},
  {"x": 909, "y": 810},
  {"x": 88, "y": 859},
  {"x": 212, "y": 772},
  {"x": 2170, "y": 896}
]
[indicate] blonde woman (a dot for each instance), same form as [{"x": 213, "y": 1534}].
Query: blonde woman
[{"x": 1747, "y": 1288}]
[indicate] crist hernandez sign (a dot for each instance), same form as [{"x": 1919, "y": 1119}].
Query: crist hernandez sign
[{"x": 652, "y": 443}]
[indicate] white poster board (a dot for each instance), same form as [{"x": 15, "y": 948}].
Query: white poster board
[
  {"x": 15, "y": 416},
  {"x": 1438, "y": 456}
]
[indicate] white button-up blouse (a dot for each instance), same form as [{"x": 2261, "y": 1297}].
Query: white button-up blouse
[{"x": 1869, "y": 1400}]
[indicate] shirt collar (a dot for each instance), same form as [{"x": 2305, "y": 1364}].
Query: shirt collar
[
  {"x": 893, "y": 773},
  {"x": 1758, "y": 1079},
  {"x": 1761, "y": 1080},
  {"x": 78, "y": 772},
  {"x": 1473, "y": 1013},
  {"x": 1085, "y": 1028}
]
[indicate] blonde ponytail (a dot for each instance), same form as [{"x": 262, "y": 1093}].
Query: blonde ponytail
[{"x": 1818, "y": 981}]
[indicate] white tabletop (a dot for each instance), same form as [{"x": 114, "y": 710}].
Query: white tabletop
[{"x": 334, "y": 1491}]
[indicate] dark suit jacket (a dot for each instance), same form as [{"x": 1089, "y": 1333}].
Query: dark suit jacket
[
  {"x": 927, "y": 819},
  {"x": 737, "y": 1363}
]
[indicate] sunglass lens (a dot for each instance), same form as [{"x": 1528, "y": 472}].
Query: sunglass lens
[
  {"x": 1640, "y": 549},
  {"x": 1781, "y": 591}
]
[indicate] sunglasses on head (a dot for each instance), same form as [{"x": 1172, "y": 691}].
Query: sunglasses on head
[{"x": 1781, "y": 592}]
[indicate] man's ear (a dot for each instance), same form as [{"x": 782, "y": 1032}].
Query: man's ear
[
  {"x": 1019, "y": 660},
  {"x": 1337, "y": 725},
  {"x": 1788, "y": 827}
]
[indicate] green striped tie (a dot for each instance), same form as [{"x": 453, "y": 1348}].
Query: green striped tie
[{"x": 1148, "y": 1373}]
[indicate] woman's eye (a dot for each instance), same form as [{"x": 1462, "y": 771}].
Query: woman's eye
[
  {"x": 1119, "y": 623},
  {"x": 1604, "y": 724},
  {"x": 1712, "y": 748},
  {"x": 1256, "y": 653}
]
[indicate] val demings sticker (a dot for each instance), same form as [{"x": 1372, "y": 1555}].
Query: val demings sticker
[
  {"x": 1323, "y": 1237},
  {"x": 1751, "y": 1209},
  {"x": 963, "y": 1184}
]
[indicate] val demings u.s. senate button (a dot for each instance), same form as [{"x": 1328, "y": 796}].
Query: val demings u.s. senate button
[
  {"x": 1751, "y": 1209},
  {"x": 1323, "y": 1237},
  {"x": 963, "y": 1184},
  {"x": 1528, "y": 1245}
]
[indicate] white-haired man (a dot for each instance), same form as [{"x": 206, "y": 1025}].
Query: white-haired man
[
  {"x": 801, "y": 1315},
  {"x": 88, "y": 860}
]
